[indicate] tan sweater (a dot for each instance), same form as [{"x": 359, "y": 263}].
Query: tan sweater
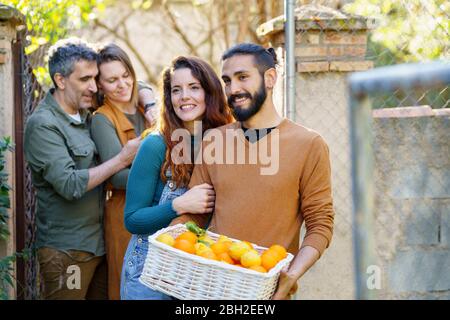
[{"x": 270, "y": 209}]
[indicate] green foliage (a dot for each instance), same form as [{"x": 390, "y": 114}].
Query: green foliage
[
  {"x": 6, "y": 267},
  {"x": 407, "y": 31},
  {"x": 6, "y": 278},
  {"x": 7, "y": 271},
  {"x": 6, "y": 263},
  {"x": 5, "y": 145},
  {"x": 51, "y": 20}
]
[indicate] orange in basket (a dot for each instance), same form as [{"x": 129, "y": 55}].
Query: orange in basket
[
  {"x": 259, "y": 269},
  {"x": 208, "y": 255},
  {"x": 189, "y": 236},
  {"x": 220, "y": 247},
  {"x": 280, "y": 250},
  {"x": 269, "y": 259},
  {"x": 225, "y": 257},
  {"x": 184, "y": 245}
]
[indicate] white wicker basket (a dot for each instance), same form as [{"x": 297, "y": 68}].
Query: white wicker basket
[{"x": 189, "y": 277}]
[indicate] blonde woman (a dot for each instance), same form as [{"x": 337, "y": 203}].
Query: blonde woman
[{"x": 118, "y": 120}]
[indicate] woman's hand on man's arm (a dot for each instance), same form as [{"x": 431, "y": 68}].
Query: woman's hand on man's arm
[{"x": 199, "y": 199}]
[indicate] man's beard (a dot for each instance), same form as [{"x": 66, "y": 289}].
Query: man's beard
[{"x": 243, "y": 114}]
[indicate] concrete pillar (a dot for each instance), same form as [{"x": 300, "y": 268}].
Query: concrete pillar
[
  {"x": 10, "y": 19},
  {"x": 329, "y": 45}
]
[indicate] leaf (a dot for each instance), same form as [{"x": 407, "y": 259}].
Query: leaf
[
  {"x": 5, "y": 204},
  {"x": 408, "y": 31},
  {"x": 9, "y": 280},
  {"x": 4, "y": 235}
]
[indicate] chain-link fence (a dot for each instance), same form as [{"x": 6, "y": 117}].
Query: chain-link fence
[{"x": 331, "y": 43}]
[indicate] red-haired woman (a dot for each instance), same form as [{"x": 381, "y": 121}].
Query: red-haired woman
[{"x": 157, "y": 184}]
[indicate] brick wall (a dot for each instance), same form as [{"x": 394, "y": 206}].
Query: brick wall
[
  {"x": 329, "y": 50},
  {"x": 325, "y": 40}
]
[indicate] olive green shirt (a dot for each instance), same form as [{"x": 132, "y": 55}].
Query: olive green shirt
[{"x": 59, "y": 151}]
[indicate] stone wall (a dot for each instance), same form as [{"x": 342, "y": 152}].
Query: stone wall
[{"x": 412, "y": 208}]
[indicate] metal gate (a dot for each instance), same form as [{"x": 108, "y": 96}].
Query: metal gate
[{"x": 27, "y": 93}]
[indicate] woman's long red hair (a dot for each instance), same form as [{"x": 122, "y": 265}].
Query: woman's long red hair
[{"x": 217, "y": 112}]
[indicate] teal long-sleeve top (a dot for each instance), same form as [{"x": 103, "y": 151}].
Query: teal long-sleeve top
[{"x": 143, "y": 214}]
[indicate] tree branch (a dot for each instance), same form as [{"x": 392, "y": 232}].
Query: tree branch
[
  {"x": 124, "y": 18},
  {"x": 150, "y": 76},
  {"x": 178, "y": 30},
  {"x": 262, "y": 13},
  {"x": 205, "y": 40},
  {"x": 276, "y": 9},
  {"x": 210, "y": 35},
  {"x": 243, "y": 22},
  {"x": 224, "y": 16}
]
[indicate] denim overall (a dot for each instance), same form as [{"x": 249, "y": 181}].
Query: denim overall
[{"x": 130, "y": 286}]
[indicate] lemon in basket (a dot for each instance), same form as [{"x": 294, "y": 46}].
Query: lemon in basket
[
  {"x": 223, "y": 238},
  {"x": 166, "y": 238},
  {"x": 201, "y": 247},
  {"x": 237, "y": 249},
  {"x": 250, "y": 259},
  {"x": 249, "y": 244},
  {"x": 206, "y": 240}
]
